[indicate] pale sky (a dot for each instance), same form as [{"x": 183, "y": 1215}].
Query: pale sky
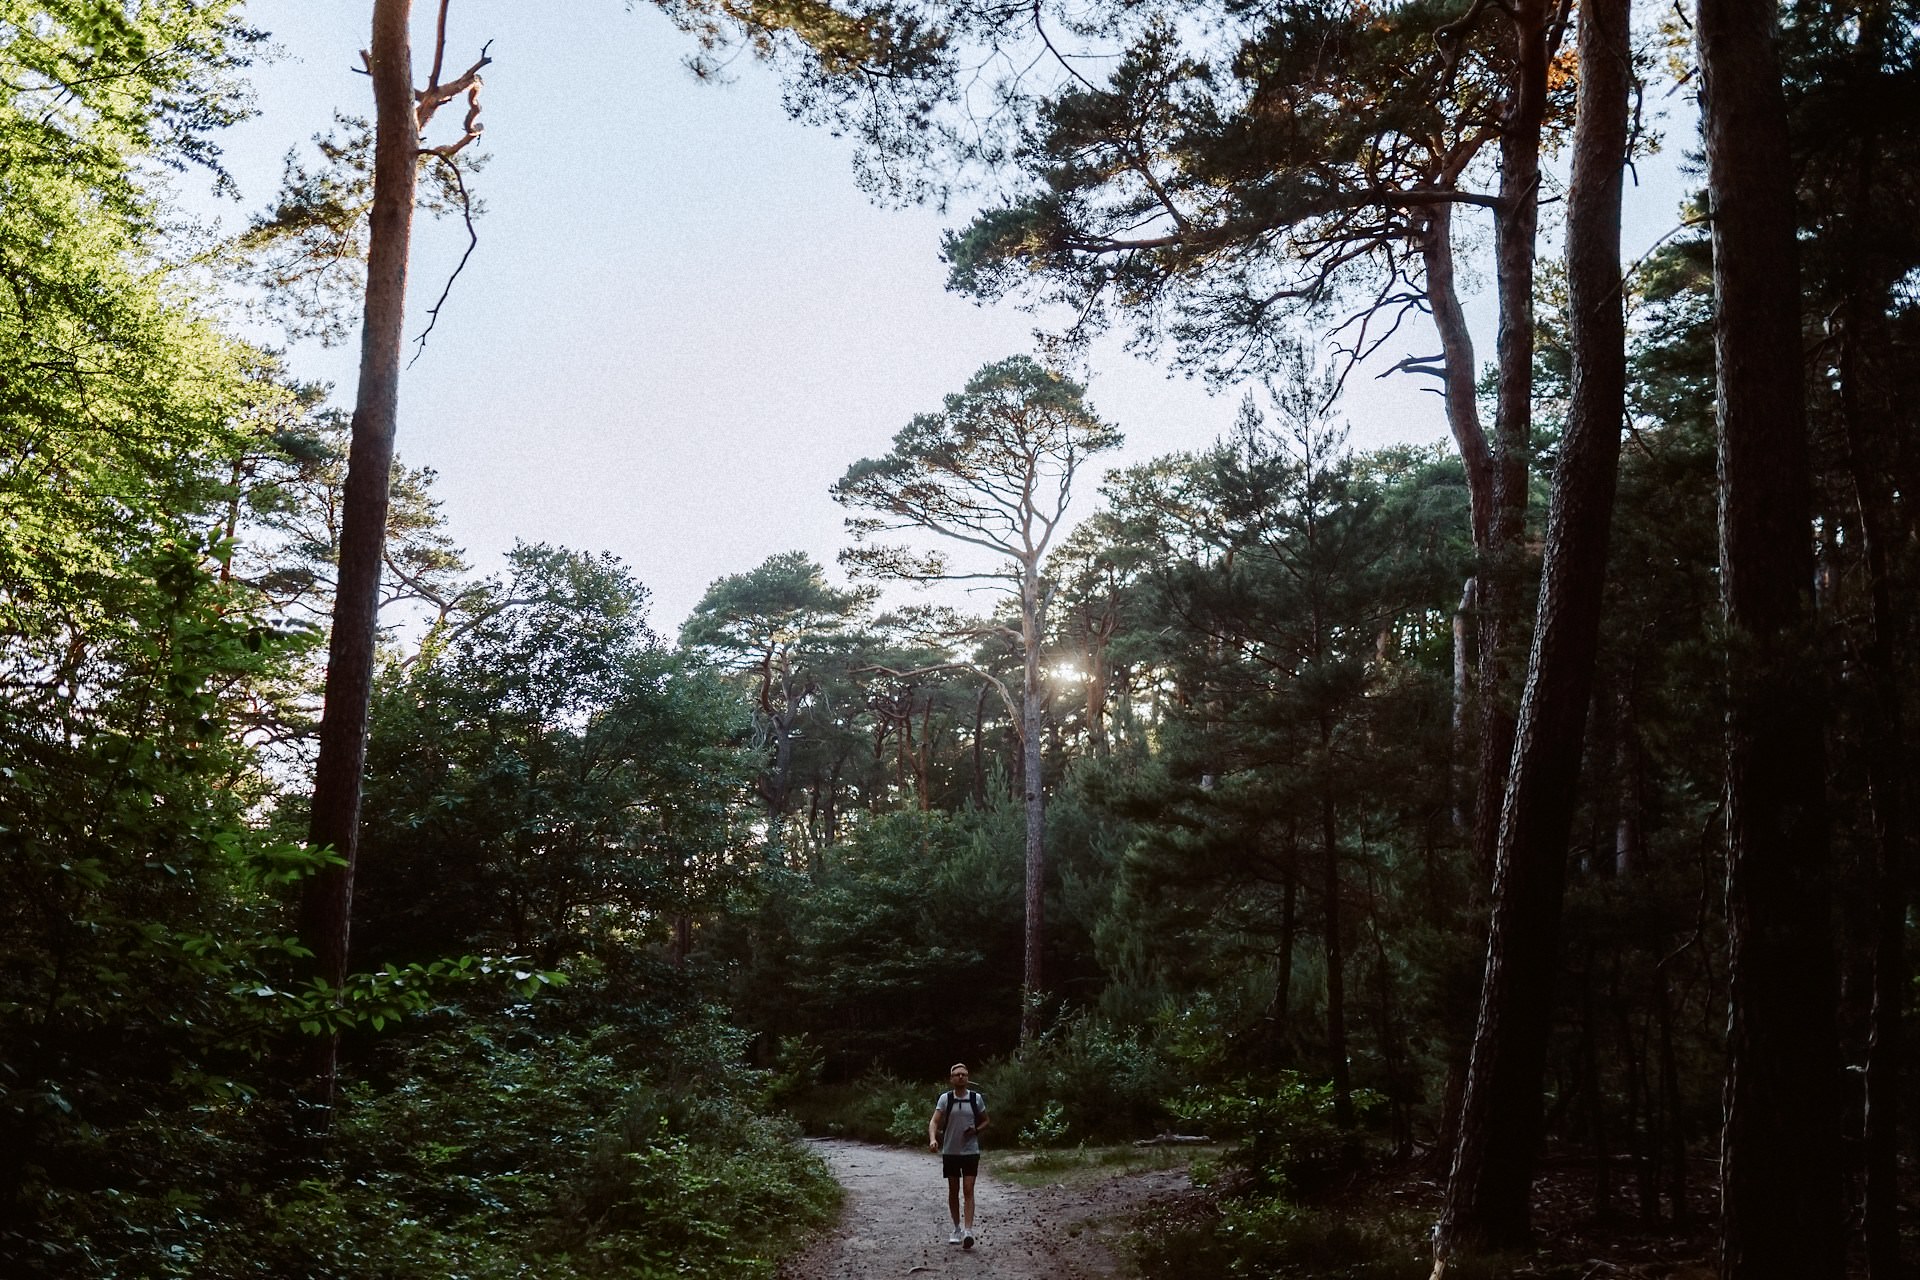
[{"x": 684, "y": 321}]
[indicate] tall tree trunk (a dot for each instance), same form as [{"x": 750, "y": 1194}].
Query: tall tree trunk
[
  {"x": 979, "y": 748},
  {"x": 1885, "y": 749},
  {"x": 1497, "y": 588},
  {"x": 327, "y": 903},
  {"x": 1780, "y": 1160},
  {"x": 1488, "y": 1192},
  {"x": 1883, "y": 733},
  {"x": 1459, "y": 792},
  {"x": 1283, "y": 962},
  {"x": 779, "y": 787},
  {"x": 1032, "y": 985},
  {"x": 1589, "y": 1067},
  {"x": 1629, "y": 835},
  {"x": 1457, "y": 367},
  {"x": 1463, "y": 420},
  {"x": 1096, "y": 692},
  {"x": 1675, "y": 1130}
]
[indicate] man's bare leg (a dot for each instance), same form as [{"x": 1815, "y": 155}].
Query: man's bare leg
[
  {"x": 953, "y": 1201},
  {"x": 969, "y": 1219}
]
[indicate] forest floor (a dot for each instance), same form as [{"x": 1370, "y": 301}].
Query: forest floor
[{"x": 895, "y": 1221}]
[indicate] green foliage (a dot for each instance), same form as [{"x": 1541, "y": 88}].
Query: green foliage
[
  {"x": 1083, "y": 1080},
  {"x": 142, "y": 911},
  {"x": 789, "y": 637},
  {"x": 797, "y": 1064},
  {"x": 992, "y": 469},
  {"x": 1269, "y": 1237},
  {"x": 906, "y": 951},
  {"x": 500, "y": 1147},
  {"x": 307, "y": 253},
  {"x": 1048, "y": 1129},
  {"x": 907, "y": 1126},
  {"x": 1285, "y": 1130},
  {"x": 1229, "y": 181},
  {"x": 546, "y": 776},
  {"x": 874, "y": 1107}
]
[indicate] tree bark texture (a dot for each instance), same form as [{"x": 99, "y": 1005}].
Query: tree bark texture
[
  {"x": 1884, "y": 746},
  {"x": 326, "y": 905},
  {"x": 1476, "y": 458},
  {"x": 1516, "y": 226},
  {"x": 1865, "y": 419},
  {"x": 1780, "y": 1159},
  {"x": 1457, "y": 361},
  {"x": 1488, "y": 1192}
]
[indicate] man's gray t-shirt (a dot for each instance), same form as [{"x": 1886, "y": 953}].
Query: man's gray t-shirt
[{"x": 956, "y": 1141}]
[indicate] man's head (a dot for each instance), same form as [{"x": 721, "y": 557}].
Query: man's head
[{"x": 958, "y": 1074}]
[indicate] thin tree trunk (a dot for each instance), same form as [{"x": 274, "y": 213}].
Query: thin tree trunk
[
  {"x": 1488, "y": 1192},
  {"x": 1780, "y": 1160},
  {"x": 779, "y": 788},
  {"x": 979, "y": 751},
  {"x": 1634, "y": 1051},
  {"x": 233, "y": 520},
  {"x": 1459, "y": 792},
  {"x": 327, "y": 904},
  {"x": 1391, "y": 1033},
  {"x": 1463, "y": 420},
  {"x": 1283, "y": 963},
  {"x": 1883, "y": 734},
  {"x": 1033, "y": 986},
  {"x": 1675, "y": 1130},
  {"x": 1883, "y": 742},
  {"x": 1629, "y": 838},
  {"x": 1498, "y": 580},
  {"x": 1457, "y": 367},
  {"x": 1596, "y": 1099}
]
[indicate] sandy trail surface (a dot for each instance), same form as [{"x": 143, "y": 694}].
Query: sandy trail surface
[{"x": 895, "y": 1221}]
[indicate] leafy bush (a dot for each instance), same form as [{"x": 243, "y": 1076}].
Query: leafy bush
[
  {"x": 1267, "y": 1236},
  {"x": 1285, "y": 1130},
  {"x": 902, "y": 955},
  {"x": 877, "y": 1107},
  {"x": 797, "y": 1064},
  {"x": 511, "y": 1151},
  {"x": 1082, "y": 1080},
  {"x": 494, "y": 1147},
  {"x": 907, "y": 1126},
  {"x": 1048, "y": 1129}
]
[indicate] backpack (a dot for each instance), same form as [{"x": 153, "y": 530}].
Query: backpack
[{"x": 947, "y": 1100}]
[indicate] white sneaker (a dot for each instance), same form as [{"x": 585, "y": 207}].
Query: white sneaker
[
  {"x": 955, "y": 1237},
  {"x": 966, "y": 1240}
]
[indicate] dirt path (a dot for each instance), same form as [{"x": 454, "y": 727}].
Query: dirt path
[{"x": 895, "y": 1222}]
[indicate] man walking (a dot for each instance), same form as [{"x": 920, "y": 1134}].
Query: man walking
[{"x": 954, "y": 1131}]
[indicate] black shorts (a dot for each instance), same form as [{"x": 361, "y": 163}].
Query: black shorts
[{"x": 960, "y": 1166}]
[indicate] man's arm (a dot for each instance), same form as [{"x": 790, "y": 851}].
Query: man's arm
[{"x": 933, "y": 1129}]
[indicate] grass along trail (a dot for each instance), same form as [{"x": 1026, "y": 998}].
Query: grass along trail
[{"x": 895, "y": 1220}]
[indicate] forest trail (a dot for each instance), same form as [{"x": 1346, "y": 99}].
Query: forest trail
[{"x": 895, "y": 1222}]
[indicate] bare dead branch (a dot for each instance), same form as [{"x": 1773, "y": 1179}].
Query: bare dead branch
[
  {"x": 473, "y": 242},
  {"x": 436, "y": 95},
  {"x": 439, "y": 43},
  {"x": 1415, "y": 364}
]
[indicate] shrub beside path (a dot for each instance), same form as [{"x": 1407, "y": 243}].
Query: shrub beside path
[{"x": 895, "y": 1221}]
